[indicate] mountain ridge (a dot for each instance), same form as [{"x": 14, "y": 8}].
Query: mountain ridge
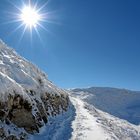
[{"x": 118, "y": 102}]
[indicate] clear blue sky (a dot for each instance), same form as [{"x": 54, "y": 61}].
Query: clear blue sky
[{"x": 91, "y": 43}]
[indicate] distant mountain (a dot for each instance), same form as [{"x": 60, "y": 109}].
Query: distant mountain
[
  {"x": 28, "y": 100},
  {"x": 121, "y": 103}
]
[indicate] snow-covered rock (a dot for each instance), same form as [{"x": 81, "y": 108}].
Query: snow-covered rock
[{"x": 27, "y": 98}]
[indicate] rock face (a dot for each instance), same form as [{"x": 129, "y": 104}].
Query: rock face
[{"x": 27, "y": 98}]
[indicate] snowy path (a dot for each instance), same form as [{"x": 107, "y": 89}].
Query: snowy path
[
  {"x": 93, "y": 124},
  {"x": 84, "y": 122},
  {"x": 85, "y": 126},
  {"x": 76, "y": 124}
]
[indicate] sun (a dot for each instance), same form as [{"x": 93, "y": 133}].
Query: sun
[{"x": 30, "y": 16}]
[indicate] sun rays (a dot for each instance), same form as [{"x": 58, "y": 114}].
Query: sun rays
[{"x": 30, "y": 17}]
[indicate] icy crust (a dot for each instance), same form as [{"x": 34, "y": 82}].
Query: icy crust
[{"x": 26, "y": 94}]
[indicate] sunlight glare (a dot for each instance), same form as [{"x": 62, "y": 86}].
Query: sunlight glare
[{"x": 30, "y": 16}]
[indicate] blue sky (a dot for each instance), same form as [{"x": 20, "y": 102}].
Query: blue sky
[{"x": 89, "y": 43}]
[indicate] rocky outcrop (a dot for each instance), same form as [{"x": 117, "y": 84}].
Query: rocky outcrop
[{"x": 31, "y": 117}]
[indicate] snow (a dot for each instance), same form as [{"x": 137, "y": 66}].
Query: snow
[
  {"x": 91, "y": 123},
  {"x": 13, "y": 129},
  {"x": 16, "y": 73},
  {"x": 85, "y": 126},
  {"x": 20, "y": 77},
  {"x": 9, "y": 86},
  {"x": 85, "y": 122},
  {"x": 121, "y": 103},
  {"x": 71, "y": 126},
  {"x": 58, "y": 128},
  {"x": 108, "y": 126}
]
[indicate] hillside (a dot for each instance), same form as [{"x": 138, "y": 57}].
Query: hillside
[
  {"x": 121, "y": 103},
  {"x": 93, "y": 124},
  {"x": 28, "y": 100}
]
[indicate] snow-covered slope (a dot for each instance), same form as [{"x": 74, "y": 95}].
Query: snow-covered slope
[
  {"x": 121, "y": 103},
  {"x": 93, "y": 124},
  {"x": 85, "y": 122},
  {"x": 27, "y": 98}
]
